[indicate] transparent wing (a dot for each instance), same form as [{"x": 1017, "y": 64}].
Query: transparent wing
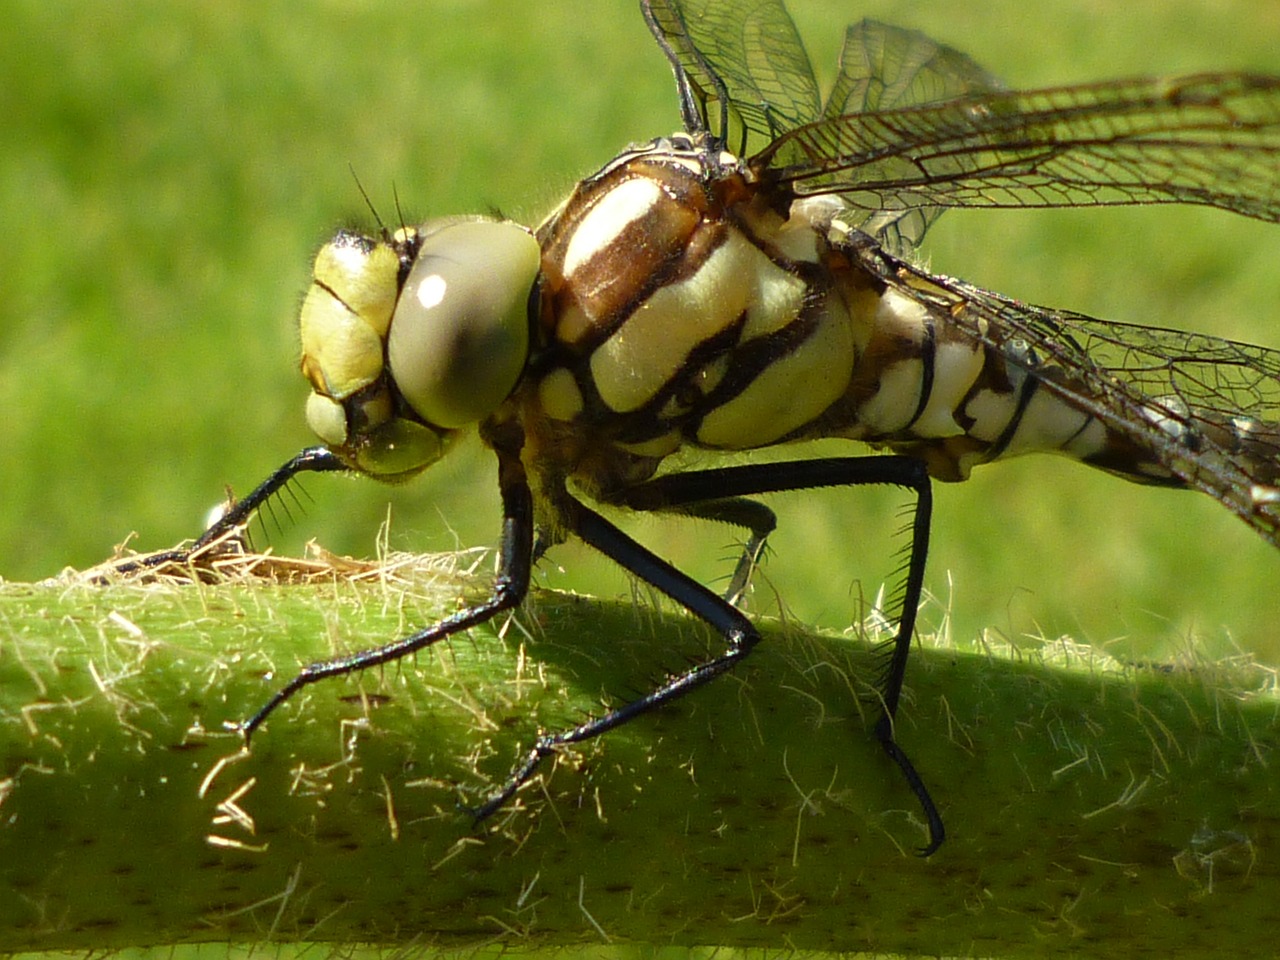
[
  {"x": 883, "y": 67},
  {"x": 1210, "y": 139},
  {"x": 743, "y": 61},
  {"x": 1206, "y": 409}
]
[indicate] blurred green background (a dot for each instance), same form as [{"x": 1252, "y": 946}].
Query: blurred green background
[{"x": 169, "y": 168}]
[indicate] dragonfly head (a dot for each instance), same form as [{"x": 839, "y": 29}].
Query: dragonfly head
[{"x": 408, "y": 339}]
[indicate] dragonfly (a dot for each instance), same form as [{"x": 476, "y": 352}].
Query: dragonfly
[{"x": 750, "y": 281}]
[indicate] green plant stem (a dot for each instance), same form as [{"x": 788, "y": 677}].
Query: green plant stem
[{"x": 1094, "y": 809}]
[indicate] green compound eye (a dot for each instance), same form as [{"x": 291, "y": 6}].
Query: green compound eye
[{"x": 459, "y": 337}]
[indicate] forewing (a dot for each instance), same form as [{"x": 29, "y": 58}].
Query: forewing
[
  {"x": 744, "y": 62},
  {"x": 1205, "y": 408},
  {"x": 1211, "y": 139},
  {"x": 883, "y": 67}
]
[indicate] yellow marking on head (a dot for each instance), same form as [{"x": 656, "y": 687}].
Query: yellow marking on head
[
  {"x": 362, "y": 276},
  {"x": 341, "y": 351},
  {"x": 346, "y": 313},
  {"x": 327, "y": 419}
]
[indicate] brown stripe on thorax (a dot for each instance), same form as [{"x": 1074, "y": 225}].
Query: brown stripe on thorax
[
  {"x": 678, "y": 306},
  {"x": 637, "y": 225}
]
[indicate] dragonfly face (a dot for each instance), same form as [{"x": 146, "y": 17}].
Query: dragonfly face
[
  {"x": 405, "y": 340},
  {"x": 748, "y": 282}
]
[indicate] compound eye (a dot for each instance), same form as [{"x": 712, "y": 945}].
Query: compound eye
[{"x": 459, "y": 337}]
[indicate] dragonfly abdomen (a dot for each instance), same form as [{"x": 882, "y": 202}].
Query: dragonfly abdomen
[{"x": 928, "y": 388}]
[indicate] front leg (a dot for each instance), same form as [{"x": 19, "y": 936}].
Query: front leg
[
  {"x": 310, "y": 460},
  {"x": 515, "y": 553}
]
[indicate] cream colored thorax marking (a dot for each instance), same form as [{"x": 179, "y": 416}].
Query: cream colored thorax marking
[{"x": 622, "y": 206}]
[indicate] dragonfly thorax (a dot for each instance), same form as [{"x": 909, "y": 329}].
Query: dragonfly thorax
[{"x": 678, "y": 308}]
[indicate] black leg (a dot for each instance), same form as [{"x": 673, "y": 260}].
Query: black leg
[
  {"x": 680, "y": 491},
  {"x": 697, "y": 493},
  {"x": 758, "y": 520},
  {"x": 750, "y": 515},
  {"x": 693, "y": 487},
  {"x": 710, "y": 494},
  {"x": 310, "y": 460},
  {"x": 512, "y": 582},
  {"x": 737, "y": 630}
]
